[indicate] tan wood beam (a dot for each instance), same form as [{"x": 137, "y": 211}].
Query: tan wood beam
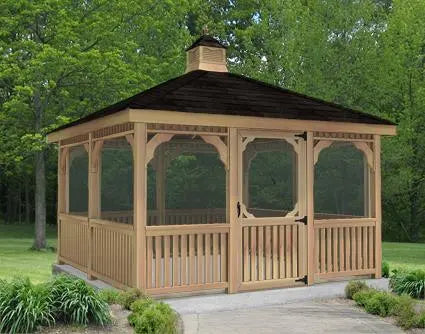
[
  {"x": 378, "y": 214},
  {"x": 310, "y": 208},
  {"x": 248, "y": 122},
  {"x": 235, "y": 242},
  {"x": 93, "y": 187},
  {"x": 140, "y": 191}
]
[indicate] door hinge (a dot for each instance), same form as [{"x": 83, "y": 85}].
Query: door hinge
[
  {"x": 302, "y": 220},
  {"x": 304, "y": 279},
  {"x": 302, "y": 135},
  {"x": 238, "y": 208}
]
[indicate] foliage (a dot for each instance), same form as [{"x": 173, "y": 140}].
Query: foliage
[
  {"x": 353, "y": 287},
  {"x": 24, "y": 306},
  {"x": 408, "y": 282},
  {"x": 110, "y": 296},
  {"x": 153, "y": 317},
  {"x": 388, "y": 304},
  {"x": 74, "y": 301},
  {"x": 385, "y": 269},
  {"x": 362, "y": 297},
  {"x": 129, "y": 296},
  {"x": 381, "y": 303}
]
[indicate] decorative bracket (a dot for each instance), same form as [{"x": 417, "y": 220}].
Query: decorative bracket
[
  {"x": 220, "y": 146},
  {"x": 152, "y": 144}
]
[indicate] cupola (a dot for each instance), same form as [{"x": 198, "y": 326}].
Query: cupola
[{"x": 207, "y": 54}]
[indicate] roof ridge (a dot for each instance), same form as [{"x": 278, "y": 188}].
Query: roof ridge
[{"x": 316, "y": 99}]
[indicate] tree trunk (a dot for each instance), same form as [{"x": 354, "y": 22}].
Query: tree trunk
[
  {"x": 40, "y": 201},
  {"x": 27, "y": 200},
  {"x": 40, "y": 182}
]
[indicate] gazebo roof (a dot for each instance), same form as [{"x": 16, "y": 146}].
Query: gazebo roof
[
  {"x": 206, "y": 40},
  {"x": 232, "y": 94}
]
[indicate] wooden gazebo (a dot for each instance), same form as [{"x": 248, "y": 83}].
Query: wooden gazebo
[{"x": 213, "y": 180}]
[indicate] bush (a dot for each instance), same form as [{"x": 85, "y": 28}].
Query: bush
[
  {"x": 353, "y": 287},
  {"x": 405, "y": 312},
  {"x": 385, "y": 269},
  {"x": 74, "y": 301},
  {"x": 24, "y": 306},
  {"x": 381, "y": 303},
  {"x": 129, "y": 297},
  {"x": 420, "y": 320},
  {"x": 411, "y": 283},
  {"x": 363, "y": 296},
  {"x": 158, "y": 318},
  {"x": 138, "y": 307},
  {"x": 110, "y": 296}
]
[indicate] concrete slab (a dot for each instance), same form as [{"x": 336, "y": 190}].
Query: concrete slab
[
  {"x": 255, "y": 299},
  {"x": 305, "y": 317},
  {"x": 69, "y": 270}
]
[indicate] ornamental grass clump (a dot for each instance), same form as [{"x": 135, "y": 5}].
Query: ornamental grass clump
[
  {"x": 353, "y": 287},
  {"x": 408, "y": 282},
  {"x": 149, "y": 316},
  {"x": 74, "y": 301},
  {"x": 110, "y": 296},
  {"x": 24, "y": 306}
]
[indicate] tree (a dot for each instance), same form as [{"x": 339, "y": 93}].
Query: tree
[{"x": 64, "y": 59}]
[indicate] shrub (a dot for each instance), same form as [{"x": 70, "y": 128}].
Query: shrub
[
  {"x": 405, "y": 312},
  {"x": 353, "y": 287},
  {"x": 411, "y": 283},
  {"x": 110, "y": 296},
  {"x": 129, "y": 297},
  {"x": 138, "y": 307},
  {"x": 74, "y": 301},
  {"x": 158, "y": 318},
  {"x": 363, "y": 296},
  {"x": 420, "y": 320},
  {"x": 24, "y": 306},
  {"x": 385, "y": 269},
  {"x": 381, "y": 303}
]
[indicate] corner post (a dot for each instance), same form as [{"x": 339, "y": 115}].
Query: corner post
[
  {"x": 235, "y": 246},
  {"x": 160, "y": 185},
  {"x": 310, "y": 208},
  {"x": 378, "y": 213},
  {"x": 60, "y": 194},
  {"x": 139, "y": 158}
]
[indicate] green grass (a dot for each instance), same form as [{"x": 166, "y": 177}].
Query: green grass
[
  {"x": 404, "y": 255},
  {"x": 16, "y": 257}
]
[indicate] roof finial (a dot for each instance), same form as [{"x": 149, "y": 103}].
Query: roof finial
[{"x": 205, "y": 30}]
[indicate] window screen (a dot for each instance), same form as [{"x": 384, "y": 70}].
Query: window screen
[
  {"x": 340, "y": 185},
  {"x": 269, "y": 177},
  {"x": 117, "y": 181},
  {"x": 78, "y": 180},
  {"x": 186, "y": 183}
]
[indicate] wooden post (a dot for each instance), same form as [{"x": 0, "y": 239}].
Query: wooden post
[
  {"x": 60, "y": 194},
  {"x": 235, "y": 244},
  {"x": 378, "y": 214},
  {"x": 310, "y": 208},
  {"x": 140, "y": 192},
  {"x": 160, "y": 185},
  {"x": 92, "y": 188}
]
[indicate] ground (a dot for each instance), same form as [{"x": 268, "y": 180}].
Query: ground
[
  {"x": 325, "y": 316},
  {"x": 16, "y": 257},
  {"x": 405, "y": 255}
]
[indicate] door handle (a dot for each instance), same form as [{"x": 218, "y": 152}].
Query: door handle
[{"x": 238, "y": 208}]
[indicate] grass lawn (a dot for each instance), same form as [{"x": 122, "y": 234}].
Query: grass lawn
[
  {"x": 404, "y": 255},
  {"x": 16, "y": 257}
]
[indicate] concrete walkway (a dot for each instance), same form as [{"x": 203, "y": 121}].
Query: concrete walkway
[
  {"x": 305, "y": 317},
  {"x": 311, "y": 309}
]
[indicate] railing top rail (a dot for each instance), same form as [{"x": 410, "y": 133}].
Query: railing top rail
[
  {"x": 344, "y": 222},
  {"x": 186, "y": 229}
]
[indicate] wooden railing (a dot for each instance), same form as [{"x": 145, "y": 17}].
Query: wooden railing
[
  {"x": 344, "y": 247},
  {"x": 112, "y": 254},
  {"x": 273, "y": 252},
  {"x": 125, "y": 217},
  {"x": 73, "y": 240},
  {"x": 186, "y": 257},
  {"x": 188, "y": 216}
]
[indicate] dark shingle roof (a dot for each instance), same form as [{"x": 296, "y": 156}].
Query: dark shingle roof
[
  {"x": 206, "y": 40},
  {"x": 233, "y": 94}
]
